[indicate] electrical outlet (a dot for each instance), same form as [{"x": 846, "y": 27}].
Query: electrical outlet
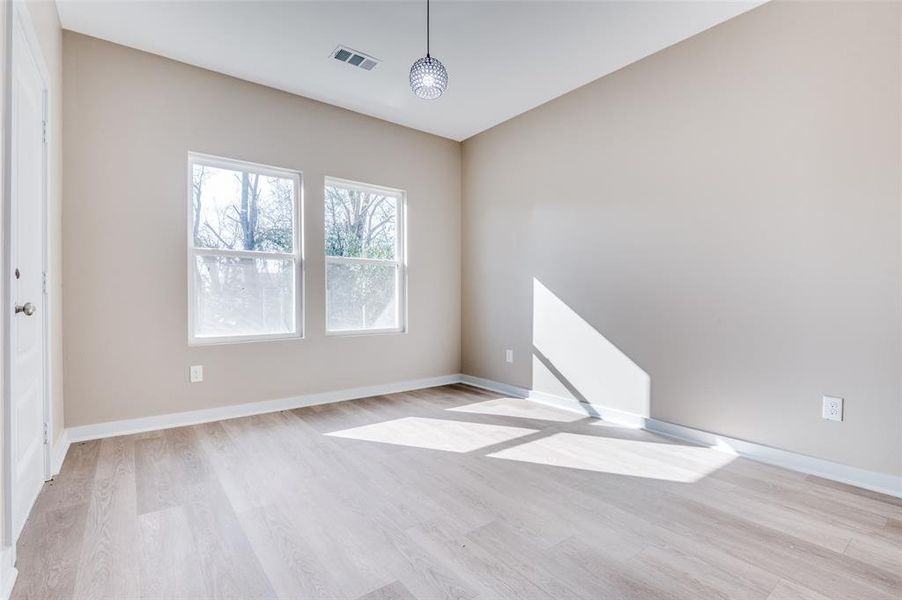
[
  {"x": 509, "y": 356},
  {"x": 196, "y": 373},
  {"x": 832, "y": 410}
]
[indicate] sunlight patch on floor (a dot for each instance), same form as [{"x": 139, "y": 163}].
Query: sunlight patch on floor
[
  {"x": 651, "y": 460},
  {"x": 434, "y": 434},
  {"x": 520, "y": 408}
]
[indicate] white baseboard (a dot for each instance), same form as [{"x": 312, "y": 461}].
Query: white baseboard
[
  {"x": 879, "y": 482},
  {"x": 495, "y": 386},
  {"x": 58, "y": 453},
  {"x": 612, "y": 415},
  {"x": 8, "y": 572},
  {"x": 590, "y": 410},
  {"x": 869, "y": 480},
  {"x": 194, "y": 417}
]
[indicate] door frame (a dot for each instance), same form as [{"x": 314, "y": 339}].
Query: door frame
[{"x": 18, "y": 17}]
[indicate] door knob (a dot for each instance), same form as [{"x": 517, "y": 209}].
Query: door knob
[{"x": 28, "y": 308}]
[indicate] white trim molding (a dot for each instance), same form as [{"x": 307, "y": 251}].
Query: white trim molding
[
  {"x": 611, "y": 415},
  {"x": 58, "y": 453},
  {"x": 8, "y": 572},
  {"x": 494, "y": 386},
  {"x": 869, "y": 480},
  {"x": 194, "y": 417}
]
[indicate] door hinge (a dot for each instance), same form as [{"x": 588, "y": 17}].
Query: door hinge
[
  {"x": 46, "y": 435},
  {"x": 44, "y": 132},
  {"x": 44, "y": 282}
]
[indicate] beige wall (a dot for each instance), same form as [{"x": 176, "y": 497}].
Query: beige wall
[
  {"x": 130, "y": 119},
  {"x": 46, "y": 23},
  {"x": 710, "y": 236},
  {"x": 727, "y": 214}
]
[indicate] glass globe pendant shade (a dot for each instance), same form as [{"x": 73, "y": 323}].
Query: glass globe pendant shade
[{"x": 428, "y": 78}]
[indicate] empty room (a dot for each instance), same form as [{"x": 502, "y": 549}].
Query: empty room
[{"x": 467, "y": 299}]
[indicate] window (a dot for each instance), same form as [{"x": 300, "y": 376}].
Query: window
[
  {"x": 244, "y": 254},
  {"x": 365, "y": 275}
]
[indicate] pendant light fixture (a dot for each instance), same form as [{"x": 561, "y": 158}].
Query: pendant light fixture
[{"x": 428, "y": 77}]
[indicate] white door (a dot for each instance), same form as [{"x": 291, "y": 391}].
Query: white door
[{"x": 27, "y": 288}]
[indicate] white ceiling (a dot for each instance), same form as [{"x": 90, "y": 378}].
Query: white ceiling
[{"x": 503, "y": 57}]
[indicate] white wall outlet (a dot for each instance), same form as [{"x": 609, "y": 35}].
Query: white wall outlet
[
  {"x": 196, "y": 373},
  {"x": 832, "y": 410},
  {"x": 509, "y": 356}
]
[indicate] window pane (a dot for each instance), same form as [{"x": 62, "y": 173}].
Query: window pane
[
  {"x": 361, "y": 224},
  {"x": 243, "y": 296},
  {"x": 361, "y": 296},
  {"x": 242, "y": 210}
]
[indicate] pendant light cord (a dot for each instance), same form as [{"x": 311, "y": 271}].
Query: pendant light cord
[{"x": 427, "y": 28}]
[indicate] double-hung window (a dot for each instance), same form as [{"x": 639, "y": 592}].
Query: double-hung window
[
  {"x": 365, "y": 260},
  {"x": 245, "y": 262}
]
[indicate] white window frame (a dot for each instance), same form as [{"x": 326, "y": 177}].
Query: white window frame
[
  {"x": 297, "y": 245},
  {"x": 400, "y": 257}
]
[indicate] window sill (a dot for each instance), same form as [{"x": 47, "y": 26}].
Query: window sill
[
  {"x": 365, "y": 332},
  {"x": 243, "y": 339}
]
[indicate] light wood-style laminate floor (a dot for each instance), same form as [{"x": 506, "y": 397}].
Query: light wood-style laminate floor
[{"x": 446, "y": 493}]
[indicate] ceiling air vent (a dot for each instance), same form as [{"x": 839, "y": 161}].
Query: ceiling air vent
[{"x": 355, "y": 58}]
